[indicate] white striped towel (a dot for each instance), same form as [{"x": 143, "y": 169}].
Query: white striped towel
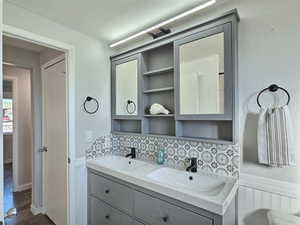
[{"x": 275, "y": 138}]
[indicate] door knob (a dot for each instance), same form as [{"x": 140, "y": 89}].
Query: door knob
[{"x": 43, "y": 149}]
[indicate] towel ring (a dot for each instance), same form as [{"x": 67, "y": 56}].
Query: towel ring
[
  {"x": 127, "y": 106},
  {"x": 88, "y": 99},
  {"x": 273, "y": 88}
]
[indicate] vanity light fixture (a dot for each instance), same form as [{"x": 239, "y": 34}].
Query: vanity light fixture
[{"x": 191, "y": 11}]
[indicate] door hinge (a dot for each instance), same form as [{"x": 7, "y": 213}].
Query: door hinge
[{"x": 69, "y": 160}]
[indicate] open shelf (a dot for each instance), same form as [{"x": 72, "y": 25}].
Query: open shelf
[
  {"x": 157, "y": 59},
  {"x": 214, "y": 130},
  {"x": 158, "y": 90},
  {"x": 159, "y": 71},
  {"x": 159, "y": 115},
  {"x": 160, "y": 126},
  {"x": 127, "y": 126}
]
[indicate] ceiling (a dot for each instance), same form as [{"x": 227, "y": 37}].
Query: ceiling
[{"x": 107, "y": 20}]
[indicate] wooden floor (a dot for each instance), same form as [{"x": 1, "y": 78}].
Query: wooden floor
[{"x": 21, "y": 201}]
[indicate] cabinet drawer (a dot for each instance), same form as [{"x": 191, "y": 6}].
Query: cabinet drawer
[
  {"x": 113, "y": 193},
  {"x": 157, "y": 212},
  {"x": 103, "y": 214}
]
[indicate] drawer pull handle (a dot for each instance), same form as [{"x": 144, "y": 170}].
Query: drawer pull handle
[
  {"x": 107, "y": 217},
  {"x": 165, "y": 218},
  {"x": 107, "y": 191}
]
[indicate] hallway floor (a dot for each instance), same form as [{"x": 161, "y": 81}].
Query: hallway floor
[{"x": 21, "y": 201}]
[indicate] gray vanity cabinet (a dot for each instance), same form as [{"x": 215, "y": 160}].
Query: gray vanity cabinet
[
  {"x": 193, "y": 73},
  {"x": 115, "y": 202}
]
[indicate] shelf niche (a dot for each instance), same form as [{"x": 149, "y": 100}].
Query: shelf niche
[
  {"x": 160, "y": 126},
  {"x": 214, "y": 130},
  {"x": 127, "y": 126},
  {"x": 158, "y": 58}
]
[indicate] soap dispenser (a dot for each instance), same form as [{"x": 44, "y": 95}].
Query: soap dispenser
[{"x": 161, "y": 156}]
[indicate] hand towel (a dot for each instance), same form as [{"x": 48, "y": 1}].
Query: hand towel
[{"x": 275, "y": 138}]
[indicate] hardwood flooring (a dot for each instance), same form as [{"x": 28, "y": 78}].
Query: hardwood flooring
[{"x": 21, "y": 201}]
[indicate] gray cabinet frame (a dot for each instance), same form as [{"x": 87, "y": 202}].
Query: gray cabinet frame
[
  {"x": 228, "y": 74},
  {"x": 113, "y": 88}
]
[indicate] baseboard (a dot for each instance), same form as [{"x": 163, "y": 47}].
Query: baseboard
[
  {"x": 36, "y": 210},
  {"x": 287, "y": 189},
  {"x": 23, "y": 187}
]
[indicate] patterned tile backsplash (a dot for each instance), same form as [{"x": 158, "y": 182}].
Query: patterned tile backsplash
[{"x": 218, "y": 158}]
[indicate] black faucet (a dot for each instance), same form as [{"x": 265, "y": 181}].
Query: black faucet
[
  {"x": 193, "y": 166},
  {"x": 132, "y": 153}
]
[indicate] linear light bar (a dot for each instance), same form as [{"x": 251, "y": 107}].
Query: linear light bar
[{"x": 191, "y": 11}]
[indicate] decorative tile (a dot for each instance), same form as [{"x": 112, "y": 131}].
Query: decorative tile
[{"x": 218, "y": 158}]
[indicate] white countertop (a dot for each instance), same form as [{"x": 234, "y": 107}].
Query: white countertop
[{"x": 215, "y": 203}]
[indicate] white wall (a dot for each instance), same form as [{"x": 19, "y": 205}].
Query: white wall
[
  {"x": 92, "y": 70},
  {"x": 268, "y": 53}
]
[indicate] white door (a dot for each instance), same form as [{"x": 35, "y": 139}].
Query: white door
[{"x": 55, "y": 164}]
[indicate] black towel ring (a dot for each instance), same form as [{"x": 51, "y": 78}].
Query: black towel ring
[
  {"x": 127, "y": 105},
  {"x": 273, "y": 88},
  {"x": 88, "y": 99}
]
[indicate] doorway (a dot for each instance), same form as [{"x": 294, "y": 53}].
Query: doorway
[
  {"x": 48, "y": 126},
  {"x": 17, "y": 129}
]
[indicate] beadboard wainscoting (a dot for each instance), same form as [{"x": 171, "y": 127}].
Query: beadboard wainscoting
[
  {"x": 81, "y": 191},
  {"x": 258, "y": 194}
]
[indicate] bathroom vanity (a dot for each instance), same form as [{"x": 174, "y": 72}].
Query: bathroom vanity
[
  {"x": 124, "y": 191},
  {"x": 192, "y": 72}
]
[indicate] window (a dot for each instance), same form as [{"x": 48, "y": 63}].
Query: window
[{"x": 7, "y": 115}]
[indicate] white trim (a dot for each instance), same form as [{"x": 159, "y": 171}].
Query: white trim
[
  {"x": 80, "y": 162},
  {"x": 53, "y": 61},
  {"x": 70, "y": 64},
  {"x": 270, "y": 185},
  {"x": 23, "y": 187},
  {"x": 81, "y": 190},
  {"x": 35, "y": 210}
]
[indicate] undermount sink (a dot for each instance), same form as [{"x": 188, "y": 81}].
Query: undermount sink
[
  {"x": 195, "y": 182},
  {"x": 120, "y": 163}
]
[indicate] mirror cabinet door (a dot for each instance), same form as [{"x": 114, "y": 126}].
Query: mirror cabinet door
[
  {"x": 201, "y": 75},
  {"x": 126, "y": 88}
]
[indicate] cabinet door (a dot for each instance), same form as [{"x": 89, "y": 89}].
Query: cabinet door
[
  {"x": 204, "y": 75},
  {"x": 126, "y": 88}
]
